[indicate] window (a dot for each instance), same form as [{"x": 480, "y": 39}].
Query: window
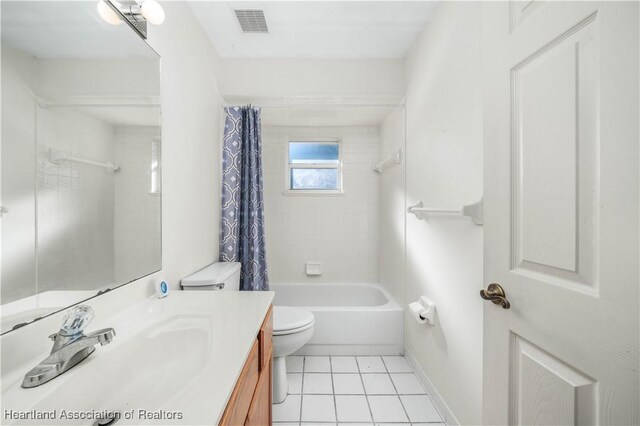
[
  {"x": 155, "y": 166},
  {"x": 314, "y": 167}
]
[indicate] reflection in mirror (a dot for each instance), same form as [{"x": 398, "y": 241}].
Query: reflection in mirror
[{"x": 81, "y": 157}]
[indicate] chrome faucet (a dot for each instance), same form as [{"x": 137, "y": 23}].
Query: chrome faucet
[{"x": 70, "y": 346}]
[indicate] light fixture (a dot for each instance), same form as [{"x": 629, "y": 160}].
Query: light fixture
[
  {"x": 136, "y": 13},
  {"x": 108, "y": 14},
  {"x": 152, "y": 12}
]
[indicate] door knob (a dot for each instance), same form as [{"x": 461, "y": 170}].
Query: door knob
[{"x": 496, "y": 294}]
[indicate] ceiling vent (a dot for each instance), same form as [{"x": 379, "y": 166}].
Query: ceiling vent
[{"x": 252, "y": 20}]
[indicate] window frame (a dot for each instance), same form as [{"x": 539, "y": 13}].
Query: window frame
[{"x": 313, "y": 192}]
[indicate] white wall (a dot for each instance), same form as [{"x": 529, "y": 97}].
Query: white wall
[
  {"x": 191, "y": 185},
  {"x": 444, "y": 169},
  {"x": 256, "y": 78},
  {"x": 191, "y": 138},
  {"x": 341, "y": 232},
  {"x": 392, "y": 206},
  {"x": 97, "y": 77}
]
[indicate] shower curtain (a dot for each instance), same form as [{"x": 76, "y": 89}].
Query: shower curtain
[{"x": 242, "y": 224}]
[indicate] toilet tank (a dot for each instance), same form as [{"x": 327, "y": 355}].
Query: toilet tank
[{"x": 217, "y": 276}]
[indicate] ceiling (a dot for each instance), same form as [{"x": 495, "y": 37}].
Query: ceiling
[
  {"x": 67, "y": 29},
  {"x": 317, "y": 29}
]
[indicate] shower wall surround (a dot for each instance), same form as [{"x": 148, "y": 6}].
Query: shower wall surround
[
  {"x": 75, "y": 245},
  {"x": 339, "y": 231},
  {"x": 392, "y": 206},
  {"x": 137, "y": 213}
]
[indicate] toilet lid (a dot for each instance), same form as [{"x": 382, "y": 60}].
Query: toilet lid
[{"x": 286, "y": 318}]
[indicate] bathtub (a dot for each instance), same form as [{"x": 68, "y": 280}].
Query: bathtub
[{"x": 350, "y": 319}]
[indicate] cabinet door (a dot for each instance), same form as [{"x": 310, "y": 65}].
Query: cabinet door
[
  {"x": 265, "y": 337},
  {"x": 260, "y": 410},
  {"x": 240, "y": 400}
]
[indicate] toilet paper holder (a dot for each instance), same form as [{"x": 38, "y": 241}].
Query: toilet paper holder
[{"x": 423, "y": 311}]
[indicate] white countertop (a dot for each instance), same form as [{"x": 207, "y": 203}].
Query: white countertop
[{"x": 180, "y": 354}]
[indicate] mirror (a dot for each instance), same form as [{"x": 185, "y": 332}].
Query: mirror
[{"x": 81, "y": 158}]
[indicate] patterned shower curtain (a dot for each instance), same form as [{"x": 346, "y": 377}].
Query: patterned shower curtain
[{"x": 242, "y": 227}]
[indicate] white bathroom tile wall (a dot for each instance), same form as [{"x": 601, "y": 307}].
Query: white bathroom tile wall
[
  {"x": 392, "y": 206},
  {"x": 136, "y": 210},
  {"x": 75, "y": 202},
  {"x": 95, "y": 227},
  {"x": 341, "y": 232}
]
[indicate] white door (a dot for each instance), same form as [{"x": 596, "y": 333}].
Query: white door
[{"x": 562, "y": 213}]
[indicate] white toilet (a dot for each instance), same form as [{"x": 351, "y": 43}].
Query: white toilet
[{"x": 292, "y": 327}]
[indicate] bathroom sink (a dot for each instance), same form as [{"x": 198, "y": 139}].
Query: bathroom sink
[
  {"x": 177, "y": 358},
  {"x": 144, "y": 371}
]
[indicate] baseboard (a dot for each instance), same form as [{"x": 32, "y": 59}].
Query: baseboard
[{"x": 438, "y": 401}]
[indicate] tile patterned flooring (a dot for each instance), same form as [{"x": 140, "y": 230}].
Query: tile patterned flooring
[{"x": 354, "y": 390}]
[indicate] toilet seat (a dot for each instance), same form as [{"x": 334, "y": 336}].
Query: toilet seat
[{"x": 289, "y": 320}]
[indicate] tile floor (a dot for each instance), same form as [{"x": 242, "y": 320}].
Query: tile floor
[{"x": 350, "y": 390}]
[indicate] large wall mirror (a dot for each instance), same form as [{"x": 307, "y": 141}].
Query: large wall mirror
[{"x": 80, "y": 160}]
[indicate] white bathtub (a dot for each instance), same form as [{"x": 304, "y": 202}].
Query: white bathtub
[{"x": 350, "y": 319}]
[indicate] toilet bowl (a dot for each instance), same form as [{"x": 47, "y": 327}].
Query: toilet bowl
[{"x": 292, "y": 329}]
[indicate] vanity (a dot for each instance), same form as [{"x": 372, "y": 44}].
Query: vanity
[
  {"x": 251, "y": 400},
  {"x": 196, "y": 358}
]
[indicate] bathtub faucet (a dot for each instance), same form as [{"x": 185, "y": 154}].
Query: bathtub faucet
[{"x": 70, "y": 346}]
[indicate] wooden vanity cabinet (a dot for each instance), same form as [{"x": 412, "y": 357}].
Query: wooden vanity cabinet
[{"x": 250, "y": 402}]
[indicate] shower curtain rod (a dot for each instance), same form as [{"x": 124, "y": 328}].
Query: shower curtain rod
[
  {"x": 284, "y": 106},
  {"x": 100, "y": 101},
  {"x": 314, "y": 102}
]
